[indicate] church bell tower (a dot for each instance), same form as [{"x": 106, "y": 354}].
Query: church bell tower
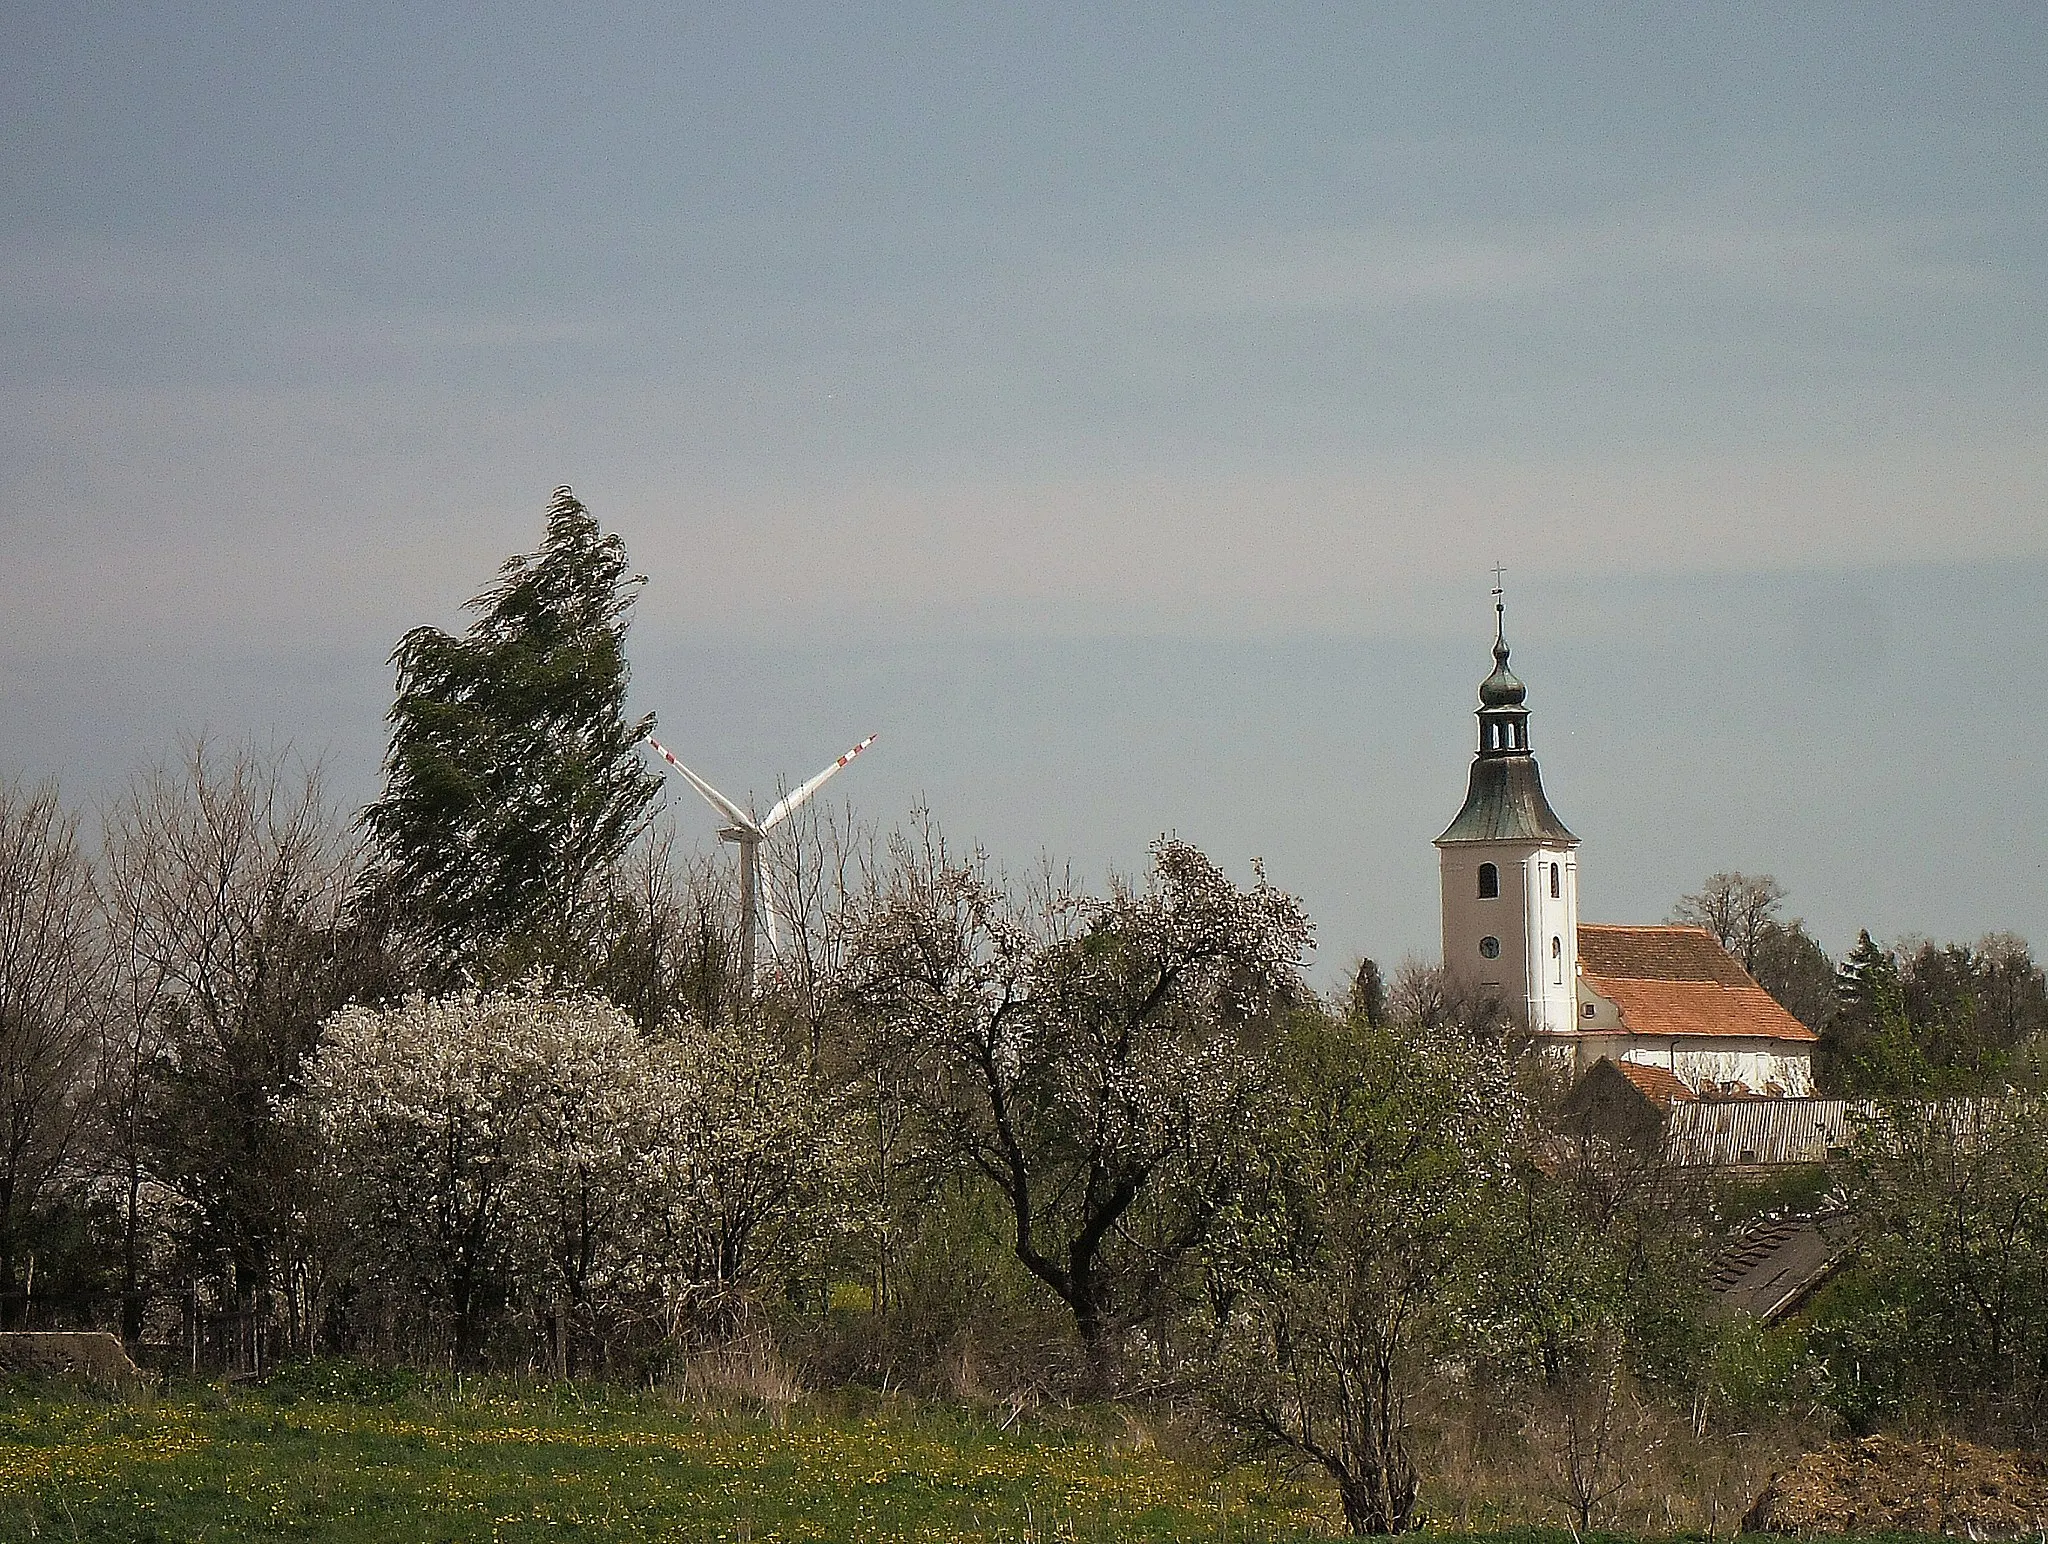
[{"x": 1510, "y": 869}]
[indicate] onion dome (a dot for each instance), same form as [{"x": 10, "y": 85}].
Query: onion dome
[
  {"x": 1502, "y": 689},
  {"x": 1504, "y": 800}
]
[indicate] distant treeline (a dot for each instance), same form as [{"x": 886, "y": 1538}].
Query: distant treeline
[{"x": 1915, "y": 1017}]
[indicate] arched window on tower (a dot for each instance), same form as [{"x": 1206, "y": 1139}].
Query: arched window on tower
[
  {"x": 1554, "y": 891},
  {"x": 1489, "y": 882},
  {"x": 1556, "y": 961}
]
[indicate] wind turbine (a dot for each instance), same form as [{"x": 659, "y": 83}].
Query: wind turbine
[{"x": 747, "y": 834}]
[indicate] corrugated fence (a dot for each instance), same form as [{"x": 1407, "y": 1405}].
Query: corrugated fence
[
  {"x": 1759, "y": 1132},
  {"x": 1762, "y": 1133}
]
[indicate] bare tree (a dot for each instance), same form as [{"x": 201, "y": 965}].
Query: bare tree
[
  {"x": 1740, "y": 910},
  {"x": 1593, "y": 1272},
  {"x": 132, "y": 1042},
  {"x": 670, "y": 938},
  {"x": 1586, "y": 1422},
  {"x": 226, "y": 878},
  {"x": 1429, "y": 998},
  {"x": 823, "y": 877},
  {"x": 819, "y": 875},
  {"x": 49, "y": 964},
  {"x": 2012, "y": 997}
]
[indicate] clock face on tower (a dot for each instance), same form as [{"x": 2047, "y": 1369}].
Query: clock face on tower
[{"x": 1490, "y": 948}]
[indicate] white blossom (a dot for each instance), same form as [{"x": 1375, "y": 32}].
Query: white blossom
[{"x": 539, "y": 1149}]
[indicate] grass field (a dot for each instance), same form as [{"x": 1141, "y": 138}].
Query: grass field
[{"x": 339, "y": 1455}]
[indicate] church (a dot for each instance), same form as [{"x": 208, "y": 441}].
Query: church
[{"x": 1661, "y": 1002}]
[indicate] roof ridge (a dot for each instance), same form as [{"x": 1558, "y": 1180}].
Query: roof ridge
[{"x": 1652, "y": 927}]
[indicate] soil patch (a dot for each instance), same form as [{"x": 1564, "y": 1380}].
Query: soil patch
[{"x": 1890, "y": 1485}]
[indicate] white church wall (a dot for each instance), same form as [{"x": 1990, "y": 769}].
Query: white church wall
[
  {"x": 1597, "y": 1014},
  {"x": 1524, "y": 919},
  {"x": 1754, "y": 1062},
  {"x": 1551, "y": 939},
  {"x": 1470, "y": 919},
  {"x": 1756, "y": 1065}
]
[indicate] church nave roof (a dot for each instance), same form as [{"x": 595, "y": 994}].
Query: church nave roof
[{"x": 1676, "y": 980}]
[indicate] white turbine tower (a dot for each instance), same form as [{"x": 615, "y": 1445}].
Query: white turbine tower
[{"x": 748, "y": 833}]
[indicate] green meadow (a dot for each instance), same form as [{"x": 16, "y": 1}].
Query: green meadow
[{"x": 339, "y": 1455}]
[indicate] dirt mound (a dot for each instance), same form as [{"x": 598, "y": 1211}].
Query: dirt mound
[
  {"x": 1889, "y": 1485},
  {"x": 96, "y": 1360}
]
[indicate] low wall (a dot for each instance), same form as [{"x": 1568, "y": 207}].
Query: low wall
[{"x": 95, "y": 1359}]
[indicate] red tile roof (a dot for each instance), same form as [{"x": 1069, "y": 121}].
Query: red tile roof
[
  {"x": 1660, "y": 1087},
  {"x": 1679, "y": 981}
]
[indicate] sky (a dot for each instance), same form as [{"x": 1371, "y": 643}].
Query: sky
[{"x": 1121, "y": 408}]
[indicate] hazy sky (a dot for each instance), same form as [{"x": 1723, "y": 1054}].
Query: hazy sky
[{"x": 1119, "y": 407}]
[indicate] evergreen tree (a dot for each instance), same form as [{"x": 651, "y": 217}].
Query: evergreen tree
[
  {"x": 1867, "y": 996},
  {"x": 1867, "y": 983},
  {"x": 513, "y": 781},
  {"x": 1368, "y": 999},
  {"x": 1931, "y": 1019},
  {"x": 1796, "y": 970}
]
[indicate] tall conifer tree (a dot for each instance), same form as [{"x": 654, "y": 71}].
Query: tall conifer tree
[
  {"x": 513, "y": 778},
  {"x": 1869, "y": 1007}
]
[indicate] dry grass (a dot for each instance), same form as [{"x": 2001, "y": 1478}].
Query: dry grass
[
  {"x": 1514, "y": 1470},
  {"x": 743, "y": 1375}
]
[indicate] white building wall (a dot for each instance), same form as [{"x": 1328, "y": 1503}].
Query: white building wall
[
  {"x": 1756, "y": 1062},
  {"x": 1757, "y": 1065},
  {"x": 1468, "y": 919},
  {"x": 1524, "y": 918},
  {"x": 1552, "y": 940}
]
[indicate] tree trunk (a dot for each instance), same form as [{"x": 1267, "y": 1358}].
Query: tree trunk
[
  {"x": 12, "y": 1309},
  {"x": 1379, "y": 1497},
  {"x": 1095, "y": 1347},
  {"x": 465, "y": 1321},
  {"x": 131, "y": 1260}
]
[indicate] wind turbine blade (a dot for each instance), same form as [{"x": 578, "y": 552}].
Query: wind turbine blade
[
  {"x": 712, "y": 796},
  {"x": 791, "y": 801}
]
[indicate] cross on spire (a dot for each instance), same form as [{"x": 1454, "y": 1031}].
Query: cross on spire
[{"x": 1499, "y": 573}]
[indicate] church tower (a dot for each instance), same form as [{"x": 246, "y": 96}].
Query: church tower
[{"x": 1510, "y": 868}]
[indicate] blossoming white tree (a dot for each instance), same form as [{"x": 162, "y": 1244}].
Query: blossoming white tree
[
  {"x": 1083, "y": 1055},
  {"x": 746, "y": 1185},
  {"x": 519, "y": 1148}
]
